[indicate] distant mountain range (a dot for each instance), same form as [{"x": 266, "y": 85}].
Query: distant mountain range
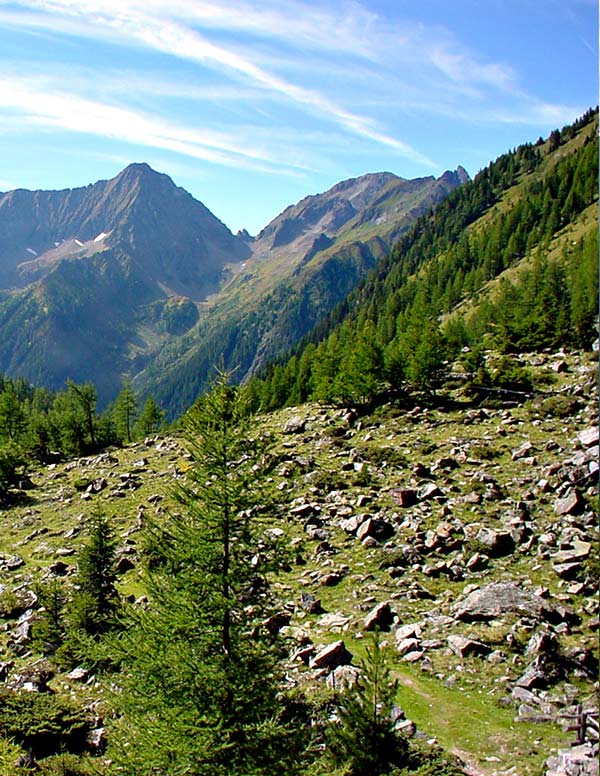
[{"x": 134, "y": 277}]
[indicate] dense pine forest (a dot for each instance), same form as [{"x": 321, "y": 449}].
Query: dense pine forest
[{"x": 161, "y": 586}]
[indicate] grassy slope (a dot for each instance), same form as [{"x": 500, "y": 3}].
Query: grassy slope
[{"x": 455, "y": 701}]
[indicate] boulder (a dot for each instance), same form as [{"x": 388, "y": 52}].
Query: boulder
[
  {"x": 353, "y": 523},
  {"x": 79, "y": 674},
  {"x": 406, "y": 646},
  {"x": 310, "y": 604},
  {"x": 497, "y": 543},
  {"x": 332, "y": 656},
  {"x": 464, "y": 646},
  {"x": 477, "y": 562},
  {"x": 534, "y": 677},
  {"x": 404, "y": 497},
  {"x": 407, "y": 631},
  {"x": 570, "y": 504},
  {"x": 576, "y": 761},
  {"x": 589, "y": 437},
  {"x": 375, "y": 528},
  {"x": 14, "y": 562},
  {"x": 498, "y": 598},
  {"x": 343, "y": 678},
  {"x": 429, "y": 491},
  {"x": 380, "y": 617},
  {"x": 522, "y": 452},
  {"x": 96, "y": 740},
  {"x": 294, "y": 425},
  {"x": 578, "y": 551}
]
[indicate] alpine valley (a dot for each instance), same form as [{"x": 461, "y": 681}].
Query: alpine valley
[
  {"x": 134, "y": 277},
  {"x": 378, "y": 554}
]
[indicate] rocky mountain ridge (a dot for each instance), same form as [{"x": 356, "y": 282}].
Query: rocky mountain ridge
[
  {"x": 465, "y": 530},
  {"x": 173, "y": 238},
  {"x": 95, "y": 282}
]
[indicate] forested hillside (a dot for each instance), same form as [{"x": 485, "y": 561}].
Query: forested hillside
[{"x": 519, "y": 243}]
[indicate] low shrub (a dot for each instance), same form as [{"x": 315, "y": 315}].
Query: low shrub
[{"x": 42, "y": 723}]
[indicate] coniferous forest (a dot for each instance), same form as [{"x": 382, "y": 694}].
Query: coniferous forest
[
  {"x": 407, "y": 318},
  {"x": 161, "y": 591}
]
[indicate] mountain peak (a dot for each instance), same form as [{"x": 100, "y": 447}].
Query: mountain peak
[{"x": 140, "y": 171}]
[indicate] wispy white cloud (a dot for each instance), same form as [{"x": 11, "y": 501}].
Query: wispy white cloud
[
  {"x": 337, "y": 63},
  {"x": 75, "y": 114},
  {"x": 149, "y": 25}
]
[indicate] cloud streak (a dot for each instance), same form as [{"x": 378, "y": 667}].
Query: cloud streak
[
  {"x": 260, "y": 60},
  {"x": 75, "y": 114},
  {"x": 146, "y": 24}
]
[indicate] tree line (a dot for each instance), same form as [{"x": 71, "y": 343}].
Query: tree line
[{"x": 40, "y": 425}]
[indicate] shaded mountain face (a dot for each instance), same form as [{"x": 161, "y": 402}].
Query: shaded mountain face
[
  {"x": 170, "y": 238},
  {"x": 112, "y": 278},
  {"x": 303, "y": 264}
]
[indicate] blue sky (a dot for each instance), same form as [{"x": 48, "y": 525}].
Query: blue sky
[{"x": 252, "y": 104}]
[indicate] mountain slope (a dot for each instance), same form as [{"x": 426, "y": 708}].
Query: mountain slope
[
  {"x": 303, "y": 263},
  {"x": 531, "y": 210},
  {"x": 418, "y": 512},
  {"x": 96, "y": 282},
  {"x": 109, "y": 259}
]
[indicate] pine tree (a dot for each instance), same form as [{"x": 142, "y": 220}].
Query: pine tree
[
  {"x": 12, "y": 416},
  {"x": 363, "y": 742},
  {"x": 151, "y": 418},
  {"x": 86, "y": 397},
  {"x": 125, "y": 412},
  {"x": 200, "y": 691},
  {"x": 95, "y": 605}
]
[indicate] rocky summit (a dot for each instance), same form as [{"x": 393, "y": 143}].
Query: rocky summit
[{"x": 464, "y": 532}]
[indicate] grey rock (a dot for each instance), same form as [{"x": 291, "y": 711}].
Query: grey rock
[
  {"x": 353, "y": 523},
  {"x": 406, "y": 727},
  {"x": 497, "y": 543},
  {"x": 589, "y": 437},
  {"x": 294, "y": 425},
  {"x": 576, "y": 761},
  {"x": 380, "y": 617},
  {"x": 477, "y": 562},
  {"x": 521, "y": 695},
  {"x": 405, "y": 646},
  {"x": 578, "y": 551},
  {"x": 375, "y": 528},
  {"x": 14, "y": 562},
  {"x": 522, "y": 452},
  {"x": 79, "y": 674},
  {"x": 571, "y": 504},
  {"x": 534, "y": 677},
  {"x": 542, "y": 643},
  {"x": 96, "y": 740},
  {"x": 407, "y": 631},
  {"x": 310, "y": 604},
  {"x": 404, "y": 497},
  {"x": 498, "y": 598},
  {"x": 464, "y": 646},
  {"x": 567, "y": 570},
  {"x": 343, "y": 678},
  {"x": 332, "y": 656},
  {"x": 429, "y": 491}
]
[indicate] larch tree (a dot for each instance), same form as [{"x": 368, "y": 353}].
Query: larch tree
[
  {"x": 125, "y": 412},
  {"x": 200, "y": 689}
]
